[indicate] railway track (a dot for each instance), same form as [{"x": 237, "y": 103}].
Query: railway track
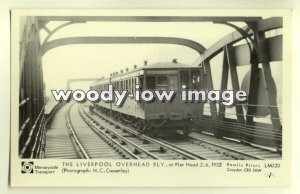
[
  {"x": 58, "y": 141},
  {"x": 70, "y": 137},
  {"x": 220, "y": 149},
  {"x": 145, "y": 147},
  {"x": 81, "y": 136},
  {"x": 236, "y": 148},
  {"x": 202, "y": 146},
  {"x": 75, "y": 133}
]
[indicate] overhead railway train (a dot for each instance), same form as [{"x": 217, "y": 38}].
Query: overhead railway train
[{"x": 154, "y": 118}]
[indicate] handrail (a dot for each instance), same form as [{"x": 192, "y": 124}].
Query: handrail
[{"x": 28, "y": 141}]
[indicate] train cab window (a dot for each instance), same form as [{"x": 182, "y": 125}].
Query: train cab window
[
  {"x": 150, "y": 82},
  {"x": 195, "y": 78},
  {"x": 162, "y": 82},
  {"x": 184, "y": 77}
]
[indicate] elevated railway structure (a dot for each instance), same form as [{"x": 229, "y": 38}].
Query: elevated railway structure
[{"x": 256, "y": 46}]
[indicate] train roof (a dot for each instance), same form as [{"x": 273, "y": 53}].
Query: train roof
[
  {"x": 159, "y": 65},
  {"x": 168, "y": 65}
]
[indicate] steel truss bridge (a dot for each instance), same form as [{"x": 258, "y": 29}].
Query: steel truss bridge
[{"x": 258, "y": 52}]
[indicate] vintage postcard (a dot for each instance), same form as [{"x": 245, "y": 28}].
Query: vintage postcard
[{"x": 150, "y": 98}]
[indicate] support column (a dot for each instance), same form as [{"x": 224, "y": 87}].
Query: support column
[
  {"x": 224, "y": 82},
  {"x": 262, "y": 47},
  {"x": 235, "y": 86},
  {"x": 213, "y": 107}
]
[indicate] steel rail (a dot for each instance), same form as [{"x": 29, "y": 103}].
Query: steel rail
[
  {"x": 102, "y": 134},
  {"x": 73, "y": 135},
  {"x": 224, "y": 147}
]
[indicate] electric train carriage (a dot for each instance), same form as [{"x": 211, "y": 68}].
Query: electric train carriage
[{"x": 154, "y": 118}]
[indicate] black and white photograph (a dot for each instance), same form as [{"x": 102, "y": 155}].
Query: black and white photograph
[{"x": 135, "y": 88}]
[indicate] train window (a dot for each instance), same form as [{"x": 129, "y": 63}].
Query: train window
[
  {"x": 184, "y": 77},
  {"x": 129, "y": 86},
  {"x": 150, "y": 82},
  {"x": 162, "y": 82},
  {"x": 140, "y": 82},
  {"x": 133, "y": 82},
  {"x": 173, "y": 82},
  {"x": 195, "y": 78},
  {"x": 133, "y": 85}
]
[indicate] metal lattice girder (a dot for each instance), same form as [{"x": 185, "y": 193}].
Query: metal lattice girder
[
  {"x": 242, "y": 54},
  {"x": 263, "y": 25}
]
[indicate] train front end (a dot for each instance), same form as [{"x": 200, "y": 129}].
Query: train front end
[{"x": 166, "y": 118}]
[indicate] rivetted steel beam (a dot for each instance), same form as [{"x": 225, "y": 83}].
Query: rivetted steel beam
[
  {"x": 122, "y": 40},
  {"x": 147, "y": 18},
  {"x": 50, "y": 33}
]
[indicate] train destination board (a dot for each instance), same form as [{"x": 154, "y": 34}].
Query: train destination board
[{"x": 150, "y": 98}]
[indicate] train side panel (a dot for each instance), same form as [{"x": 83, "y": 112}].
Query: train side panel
[{"x": 131, "y": 107}]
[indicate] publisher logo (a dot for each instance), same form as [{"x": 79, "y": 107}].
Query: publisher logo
[{"x": 27, "y": 167}]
